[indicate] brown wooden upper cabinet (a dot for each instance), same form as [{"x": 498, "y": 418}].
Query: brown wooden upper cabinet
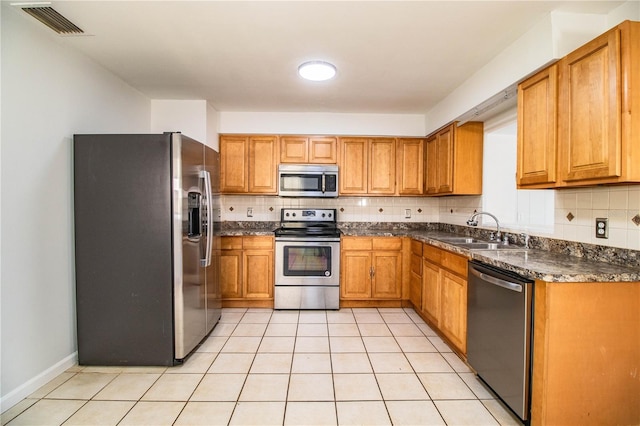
[
  {"x": 308, "y": 149},
  {"x": 410, "y": 166},
  {"x": 248, "y": 164},
  {"x": 454, "y": 160},
  {"x": 597, "y": 126},
  {"x": 537, "y": 130},
  {"x": 367, "y": 166}
]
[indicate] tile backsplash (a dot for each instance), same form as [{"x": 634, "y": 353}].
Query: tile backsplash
[
  {"x": 350, "y": 209},
  {"x": 575, "y": 211}
]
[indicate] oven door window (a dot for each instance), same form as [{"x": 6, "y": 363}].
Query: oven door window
[
  {"x": 293, "y": 182},
  {"x": 310, "y": 261}
]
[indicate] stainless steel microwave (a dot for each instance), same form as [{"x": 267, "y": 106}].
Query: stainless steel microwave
[{"x": 308, "y": 180}]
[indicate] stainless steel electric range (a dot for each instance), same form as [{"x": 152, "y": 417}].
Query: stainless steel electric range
[{"x": 307, "y": 260}]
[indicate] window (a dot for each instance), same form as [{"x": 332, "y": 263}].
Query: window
[{"x": 517, "y": 209}]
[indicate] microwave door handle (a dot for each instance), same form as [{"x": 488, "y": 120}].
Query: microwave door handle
[{"x": 323, "y": 182}]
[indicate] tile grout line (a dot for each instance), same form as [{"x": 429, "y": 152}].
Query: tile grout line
[{"x": 332, "y": 373}]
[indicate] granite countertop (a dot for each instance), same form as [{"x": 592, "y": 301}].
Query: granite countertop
[
  {"x": 241, "y": 232},
  {"x": 535, "y": 263},
  {"x": 530, "y": 263}
]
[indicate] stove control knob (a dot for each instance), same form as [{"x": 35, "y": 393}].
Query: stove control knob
[
  {"x": 329, "y": 214},
  {"x": 287, "y": 214},
  {"x": 294, "y": 215},
  {"x": 323, "y": 215}
]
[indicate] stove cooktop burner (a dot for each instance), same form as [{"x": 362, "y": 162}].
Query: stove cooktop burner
[
  {"x": 308, "y": 223},
  {"x": 307, "y": 232}
]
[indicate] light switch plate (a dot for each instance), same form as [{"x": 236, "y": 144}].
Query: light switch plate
[
  {"x": 249, "y": 211},
  {"x": 602, "y": 227},
  {"x": 407, "y": 213}
]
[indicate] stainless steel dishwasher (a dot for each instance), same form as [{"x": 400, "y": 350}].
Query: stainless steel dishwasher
[{"x": 499, "y": 336}]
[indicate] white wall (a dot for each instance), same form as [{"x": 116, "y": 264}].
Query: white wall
[
  {"x": 322, "y": 123},
  {"x": 553, "y": 37},
  {"x": 213, "y": 119},
  {"x": 628, "y": 10},
  {"x": 193, "y": 118},
  {"x": 48, "y": 93}
]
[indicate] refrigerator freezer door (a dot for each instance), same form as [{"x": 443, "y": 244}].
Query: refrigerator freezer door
[
  {"x": 214, "y": 291},
  {"x": 189, "y": 275}
]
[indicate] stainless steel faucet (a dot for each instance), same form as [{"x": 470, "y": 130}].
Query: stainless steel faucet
[{"x": 473, "y": 222}]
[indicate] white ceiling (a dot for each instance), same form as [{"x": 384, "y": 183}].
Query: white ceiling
[{"x": 392, "y": 56}]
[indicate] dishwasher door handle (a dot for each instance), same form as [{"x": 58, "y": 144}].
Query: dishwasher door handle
[{"x": 497, "y": 281}]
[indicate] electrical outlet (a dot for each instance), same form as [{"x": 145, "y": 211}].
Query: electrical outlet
[
  {"x": 249, "y": 211},
  {"x": 602, "y": 227},
  {"x": 407, "y": 213}
]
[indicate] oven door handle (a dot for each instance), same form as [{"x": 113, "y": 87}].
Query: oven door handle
[{"x": 496, "y": 281}]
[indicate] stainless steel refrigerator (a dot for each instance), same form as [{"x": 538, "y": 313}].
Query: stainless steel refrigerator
[{"x": 147, "y": 247}]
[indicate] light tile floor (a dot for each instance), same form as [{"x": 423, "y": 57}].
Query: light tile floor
[{"x": 352, "y": 366}]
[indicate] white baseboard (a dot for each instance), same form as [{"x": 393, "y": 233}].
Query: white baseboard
[{"x": 33, "y": 384}]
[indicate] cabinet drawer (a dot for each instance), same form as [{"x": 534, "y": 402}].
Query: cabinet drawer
[
  {"x": 455, "y": 263},
  {"x": 265, "y": 242},
  {"x": 387, "y": 243},
  {"x": 355, "y": 243},
  {"x": 231, "y": 243},
  {"x": 416, "y": 247},
  {"x": 416, "y": 264},
  {"x": 432, "y": 254}
]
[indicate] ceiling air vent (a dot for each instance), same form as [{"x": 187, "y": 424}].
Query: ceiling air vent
[{"x": 52, "y": 19}]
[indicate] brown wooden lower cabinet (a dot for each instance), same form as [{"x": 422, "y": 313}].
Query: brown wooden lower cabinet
[
  {"x": 453, "y": 309},
  {"x": 586, "y": 354},
  {"x": 371, "y": 271},
  {"x": 430, "y": 304},
  {"x": 444, "y": 294},
  {"x": 246, "y": 271},
  {"x": 415, "y": 268}
]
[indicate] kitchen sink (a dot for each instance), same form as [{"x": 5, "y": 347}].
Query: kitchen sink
[
  {"x": 459, "y": 240},
  {"x": 471, "y": 243},
  {"x": 480, "y": 245}
]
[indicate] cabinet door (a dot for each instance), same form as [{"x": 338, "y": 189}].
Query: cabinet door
[
  {"x": 258, "y": 274},
  {"x": 537, "y": 129},
  {"x": 410, "y": 166},
  {"x": 387, "y": 275},
  {"x": 415, "y": 290},
  {"x": 355, "y": 279},
  {"x": 231, "y": 273},
  {"x": 293, "y": 149},
  {"x": 382, "y": 166},
  {"x": 453, "y": 314},
  {"x": 415, "y": 279},
  {"x": 444, "y": 166},
  {"x": 323, "y": 150},
  {"x": 354, "y": 166},
  {"x": 589, "y": 111},
  {"x": 431, "y": 291},
  {"x": 233, "y": 164},
  {"x": 431, "y": 165},
  {"x": 263, "y": 164}
]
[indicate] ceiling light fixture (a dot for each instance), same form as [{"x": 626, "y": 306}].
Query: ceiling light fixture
[{"x": 317, "y": 70}]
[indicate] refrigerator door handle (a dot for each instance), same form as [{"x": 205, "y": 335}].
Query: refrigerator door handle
[{"x": 206, "y": 176}]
